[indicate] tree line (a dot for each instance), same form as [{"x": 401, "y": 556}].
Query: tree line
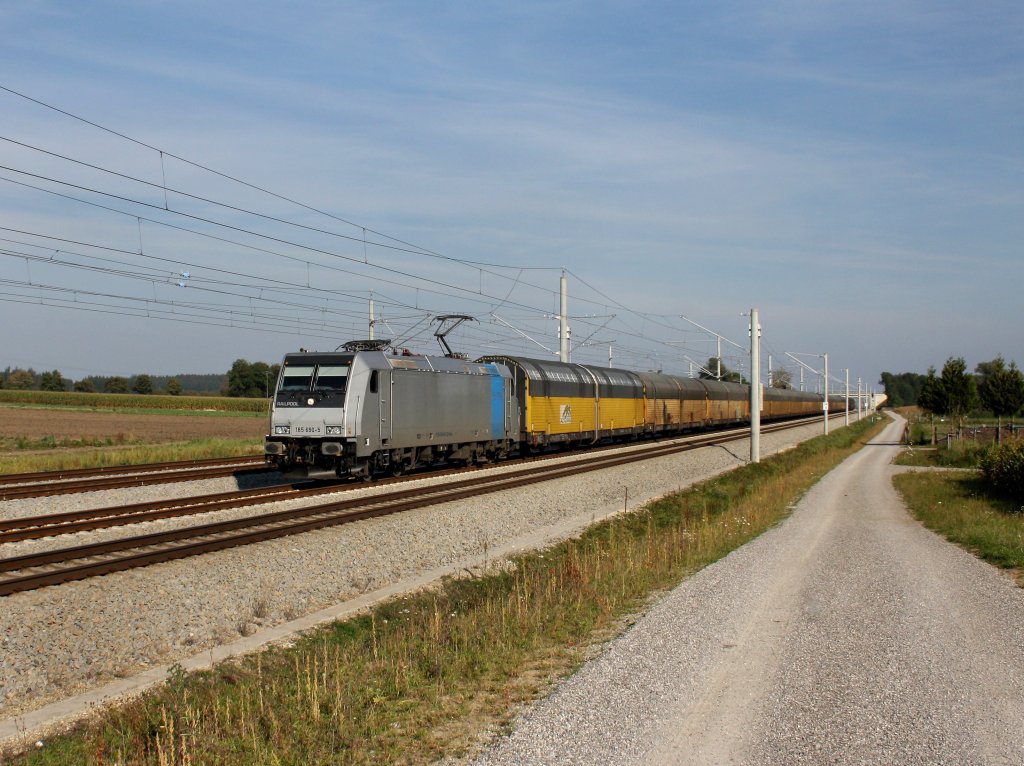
[
  {"x": 995, "y": 387},
  {"x": 244, "y": 379}
]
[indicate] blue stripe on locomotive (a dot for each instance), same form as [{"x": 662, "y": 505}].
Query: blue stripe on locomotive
[{"x": 497, "y": 402}]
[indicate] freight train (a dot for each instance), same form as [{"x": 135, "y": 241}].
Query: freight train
[{"x": 363, "y": 410}]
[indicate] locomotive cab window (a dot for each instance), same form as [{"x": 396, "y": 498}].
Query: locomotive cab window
[
  {"x": 296, "y": 378},
  {"x": 331, "y": 378}
]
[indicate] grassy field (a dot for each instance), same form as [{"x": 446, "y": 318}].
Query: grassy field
[
  {"x": 960, "y": 507},
  {"x": 428, "y": 675},
  {"x": 961, "y": 454},
  {"x": 125, "y": 455},
  {"x": 133, "y": 402},
  {"x": 47, "y": 437}
]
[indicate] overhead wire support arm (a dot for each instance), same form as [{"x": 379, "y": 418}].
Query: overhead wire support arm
[
  {"x": 516, "y": 330},
  {"x": 804, "y": 364},
  {"x": 582, "y": 343},
  {"x": 825, "y": 377},
  {"x": 717, "y": 375},
  {"x": 699, "y": 366}
]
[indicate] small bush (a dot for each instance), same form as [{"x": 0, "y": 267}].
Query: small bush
[{"x": 1004, "y": 469}]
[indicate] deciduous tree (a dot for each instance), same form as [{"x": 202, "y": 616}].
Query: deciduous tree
[
  {"x": 52, "y": 381},
  {"x": 116, "y": 385},
  {"x": 253, "y": 380},
  {"x": 143, "y": 384},
  {"x": 961, "y": 392},
  {"x": 1003, "y": 391},
  {"x": 20, "y": 379}
]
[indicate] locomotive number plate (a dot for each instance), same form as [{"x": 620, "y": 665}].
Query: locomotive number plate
[{"x": 308, "y": 429}]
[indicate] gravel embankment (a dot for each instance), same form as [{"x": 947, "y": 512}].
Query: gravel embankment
[
  {"x": 66, "y": 639},
  {"x": 847, "y": 635}
]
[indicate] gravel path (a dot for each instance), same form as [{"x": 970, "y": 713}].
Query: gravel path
[
  {"x": 68, "y": 639},
  {"x": 847, "y": 635}
]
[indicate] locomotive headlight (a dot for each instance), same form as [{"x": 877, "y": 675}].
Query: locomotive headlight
[
  {"x": 334, "y": 430},
  {"x": 282, "y": 430}
]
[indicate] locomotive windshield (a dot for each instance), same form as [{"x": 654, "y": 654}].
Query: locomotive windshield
[
  {"x": 297, "y": 378},
  {"x": 331, "y": 378}
]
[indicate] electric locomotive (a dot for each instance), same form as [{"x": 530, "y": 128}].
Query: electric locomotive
[{"x": 358, "y": 411}]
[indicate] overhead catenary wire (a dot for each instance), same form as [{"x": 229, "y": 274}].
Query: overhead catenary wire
[
  {"x": 466, "y": 292},
  {"x": 416, "y": 249},
  {"x": 309, "y": 256},
  {"x": 229, "y": 177}
]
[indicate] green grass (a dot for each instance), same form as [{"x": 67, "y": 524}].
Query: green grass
[
  {"x": 960, "y": 508},
  {"x": 426, "y": 675},
  {"x": 133, "y": 402},
  {"x": 124, "y": 452},
  {"x": 18, "y": 443},
  {"x": 960, "y": 454}
]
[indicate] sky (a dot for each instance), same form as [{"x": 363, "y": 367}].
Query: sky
[{"x": 183, "y": 184}]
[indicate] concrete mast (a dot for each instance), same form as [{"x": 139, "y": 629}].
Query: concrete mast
[
  {"x": 563, "y": 320},
  {"x": 755, "y": 387}
]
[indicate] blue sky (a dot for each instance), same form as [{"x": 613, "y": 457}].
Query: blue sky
[{"x": 854, "y": 170}]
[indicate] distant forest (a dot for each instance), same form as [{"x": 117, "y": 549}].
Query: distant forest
[
  {"x": 245, "y": 379},
  {"x": 902, "y": 389},
  {"x": 262, "y": 376},
  {"x": 994, "y": 387},
  {"x": 190, "y": 383}
]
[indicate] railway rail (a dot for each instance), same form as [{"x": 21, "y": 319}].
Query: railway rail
[
  {"x": 52, "y": 525},
  {"x": 41, "y": 569},
  {"x": 41, "y": 484}
]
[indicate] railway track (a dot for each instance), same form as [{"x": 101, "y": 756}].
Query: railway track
[
  {"x": 42, "y": 484},
  {"x": 52, "y": 525},
  {"x": 41, "y": 569}
]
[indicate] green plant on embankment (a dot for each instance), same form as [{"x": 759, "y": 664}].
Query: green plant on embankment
[{"x": 427, "y": 674}]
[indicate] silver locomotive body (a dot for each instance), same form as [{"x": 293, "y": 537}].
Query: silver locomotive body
[{"x": 356, "y": 413}]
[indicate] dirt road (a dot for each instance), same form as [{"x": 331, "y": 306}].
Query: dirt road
[{"x": 848, "y": 635}]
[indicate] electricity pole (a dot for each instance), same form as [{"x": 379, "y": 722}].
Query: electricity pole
[
  {"x": 824, "y": 405},
  {"x": 563, "y": 320},
  {"x": 755, "y": 386},
  {"x": 847, "y": 408}
]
